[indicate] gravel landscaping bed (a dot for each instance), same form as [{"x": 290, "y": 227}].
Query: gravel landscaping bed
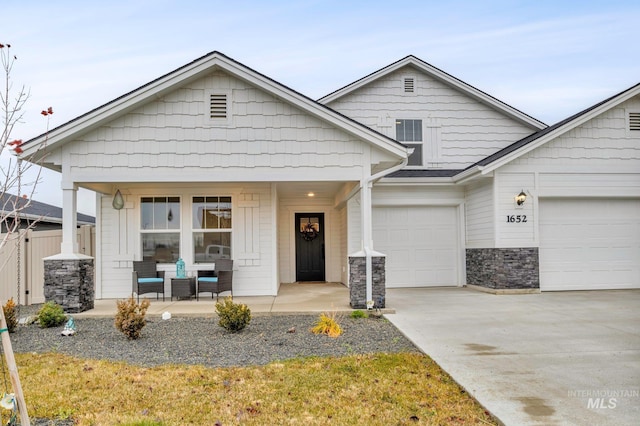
[{"x": 197, "y": 340}]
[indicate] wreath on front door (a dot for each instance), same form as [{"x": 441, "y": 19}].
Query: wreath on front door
[{"x": 309, "y": 233}]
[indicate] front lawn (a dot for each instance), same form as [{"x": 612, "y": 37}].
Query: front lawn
[{"x": 375, "y": 389}]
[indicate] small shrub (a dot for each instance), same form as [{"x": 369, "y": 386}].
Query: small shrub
[
  {"x": 10, "y": 316},
  {"x": 233, "y": 316},
  {"x": 51, "y": 315},
  {"x": 327, "y": 324},
  {"x": 130, "y": 317},
  {"x": 359, "y": 314}
]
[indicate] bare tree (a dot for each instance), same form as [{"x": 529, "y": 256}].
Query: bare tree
[{"x": 14, "y": 170}]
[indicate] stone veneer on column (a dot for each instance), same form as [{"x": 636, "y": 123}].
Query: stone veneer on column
[
  {"x": 70, "y": 283},
  {"x": 358, "y": 281},
  {"x": 504, "y": 268}
]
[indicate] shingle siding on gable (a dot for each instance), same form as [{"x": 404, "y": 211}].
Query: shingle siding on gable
[
  {"x": 263, "y": 132},
  {"x": 601, "y": 141},
  {"x": 470, "y": 130}
]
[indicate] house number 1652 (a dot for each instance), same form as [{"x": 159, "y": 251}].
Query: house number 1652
[{"x": 512, "y": 218}]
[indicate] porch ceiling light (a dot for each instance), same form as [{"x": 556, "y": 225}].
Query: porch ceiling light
[
  {"x": 118, "y": 201},
  {"x": 311, "y": 194},
  {"x": 521, "y": 198}
]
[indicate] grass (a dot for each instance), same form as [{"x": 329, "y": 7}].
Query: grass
[{"x": 378, "y": 389}]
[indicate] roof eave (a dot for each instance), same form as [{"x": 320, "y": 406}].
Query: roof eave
[
  {"x": 192, "y": 71},
  {"x": 570, "y": 125}
]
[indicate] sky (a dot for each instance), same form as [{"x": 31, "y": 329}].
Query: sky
[{"x": 549, "y": 59}]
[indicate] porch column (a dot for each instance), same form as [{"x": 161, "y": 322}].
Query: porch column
[
  {"x": 69, "y": 243},
  {"x": 69, "y": 276}
]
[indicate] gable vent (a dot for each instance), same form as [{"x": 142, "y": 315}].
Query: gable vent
[
  {"x": 218, "y": 106},
  {"x": 634, "y": 121},
  {"x": 409, "y": 85}
]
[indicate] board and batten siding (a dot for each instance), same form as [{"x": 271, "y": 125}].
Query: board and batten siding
[
  {"x": 252, "y": 236},
  {"x": 479, "y": 214},
  {"x": 468, "y": 130},
  {"x": 173, "y": 139}
]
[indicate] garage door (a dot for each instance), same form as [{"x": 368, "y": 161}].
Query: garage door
[
  {"x": 421, "y": 244},
  {"x": 589, "y": 244}
]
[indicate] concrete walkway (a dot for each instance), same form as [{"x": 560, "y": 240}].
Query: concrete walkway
[
  {"x": 562, "y": 358},
  {"x": 292, "y": 298}
]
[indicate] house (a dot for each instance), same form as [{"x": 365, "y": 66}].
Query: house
[
  {"x": 42, "y": 216},
  {"x": 406, "y": 177}
]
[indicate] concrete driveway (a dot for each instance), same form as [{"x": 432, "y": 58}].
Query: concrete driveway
[{"x": 557, "y": 358}]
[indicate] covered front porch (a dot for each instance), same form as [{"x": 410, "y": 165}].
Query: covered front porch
[{"x": 292, "y": 298}]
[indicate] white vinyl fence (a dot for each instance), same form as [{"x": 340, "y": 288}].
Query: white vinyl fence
[{"x": 23, "y": 275}]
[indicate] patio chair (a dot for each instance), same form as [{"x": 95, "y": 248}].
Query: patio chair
[
  {"x": 147, "y": 279},
  {"x": 217, "y": 281}
]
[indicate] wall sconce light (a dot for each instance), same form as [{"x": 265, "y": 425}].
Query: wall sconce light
[
  {"x": 118, "y": 201},
  {"x": 521, "y": 198}
]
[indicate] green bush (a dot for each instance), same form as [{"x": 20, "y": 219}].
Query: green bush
[
  {"x": 10, "y": 315},
  {"x": 51, "y": 315},
  {"x": 359, "y": 314},
  {"x": 130, "y": 317},
  {"x": 233, "y": 317}
]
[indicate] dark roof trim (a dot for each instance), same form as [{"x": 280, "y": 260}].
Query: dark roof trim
[
  {"x": 192, "y": 63},
  {"x": 449, "y": 76},
  {"x": 409, "y": 173},
  {"x": 535, "y": 136}
]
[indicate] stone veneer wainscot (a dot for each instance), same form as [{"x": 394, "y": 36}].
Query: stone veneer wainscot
[{"x": 504, "y": 268}]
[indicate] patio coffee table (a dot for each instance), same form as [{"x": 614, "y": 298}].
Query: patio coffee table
[{"x": 183, "y": 288}]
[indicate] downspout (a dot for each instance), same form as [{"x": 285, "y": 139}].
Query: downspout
[{"x": 367, "y": 223}]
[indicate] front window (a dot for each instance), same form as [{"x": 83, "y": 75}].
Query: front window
[
  {"x": 211, "y": 228},
  {"x": 408, "y": 131},
  {"x": 160, "y": 228}
]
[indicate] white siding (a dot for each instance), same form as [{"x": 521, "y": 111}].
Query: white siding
[
  {"x": 251, "y": 248},
  {"x": 479, "y": 215},
  {"x": 172, "y": 139},
  {"x": 521, "y": 230},
  {"x": 468, "y": 130},
  {"x": 600, "y": 143}
]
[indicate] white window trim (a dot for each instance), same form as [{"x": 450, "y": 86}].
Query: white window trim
[
  {"x": 193, "y": 229},
  {"x": 140, "y": 249},
  {"x": 409, "y": 143},
  {"x": 226, "y": 121}
]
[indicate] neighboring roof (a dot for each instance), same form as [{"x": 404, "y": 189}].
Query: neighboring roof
[
  {"x": 190, "y": 72},
  {"x": 442, "y": 76},
  {"x": 537, "y": 139},
  {"x": 37, "y": 210}
]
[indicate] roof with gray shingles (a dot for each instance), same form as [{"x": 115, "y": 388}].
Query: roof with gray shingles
[{"x": 36, "y": 209}]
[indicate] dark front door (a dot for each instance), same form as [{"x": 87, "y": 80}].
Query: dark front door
[{"x": 309, "y": 230}]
